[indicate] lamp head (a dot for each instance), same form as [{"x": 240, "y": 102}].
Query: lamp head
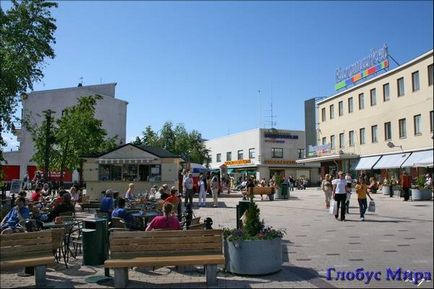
[{"x": 390, "y": 144}]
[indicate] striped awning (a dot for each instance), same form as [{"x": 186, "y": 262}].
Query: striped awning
[{"x": 128, "y": 161}]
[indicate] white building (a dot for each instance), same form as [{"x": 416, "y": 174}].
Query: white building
[
  {"x": 111, "y": 111},
  {"x": 262, "y": 152}
]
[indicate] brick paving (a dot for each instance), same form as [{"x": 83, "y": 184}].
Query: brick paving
[{"x": 399, "y": 234}]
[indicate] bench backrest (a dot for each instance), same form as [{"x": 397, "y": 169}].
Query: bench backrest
[
  {"x": 129, "y": 244},
  {"x": 261, "y": 190},
  {"x": 17, "y": 246}
]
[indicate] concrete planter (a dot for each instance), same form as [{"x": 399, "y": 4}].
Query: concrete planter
[
  {"x": 421, "y": 194},
  {"x": 253, "y": 257},
  {"x": 386, "y": 190}
]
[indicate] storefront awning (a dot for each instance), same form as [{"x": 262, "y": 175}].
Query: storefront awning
[
  {"x": 419, "y": 159},
  {"x": 392, "y": 161},
  {"x": 366, "y": 163},
  {"x": 327, "y": 158},
  {"x": 126, "y": 161}
]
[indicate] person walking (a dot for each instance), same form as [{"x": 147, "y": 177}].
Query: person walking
[
  {"x": 340, "y": 194},
  {"x": 349, "y": 181},
  {"x": 327, "y": 188},
  {"x": 188, "y": 187},
  {"x": 405, "y": 184},
  {"x": 215, "y": 190},
  {"x": 362, "y": 192},
  {"x": 202, "y": 191}
]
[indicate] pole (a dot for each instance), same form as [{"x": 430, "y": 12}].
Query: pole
[{"x": 48, "y": 142}]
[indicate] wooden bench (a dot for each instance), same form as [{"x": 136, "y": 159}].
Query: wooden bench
[
  {"x": 165, "y": 248},
  {"x": 33, "y": 249},
  {"x": 261, "y": 191}
]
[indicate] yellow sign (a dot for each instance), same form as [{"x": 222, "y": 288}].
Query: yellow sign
[
  {"x": 237, "y": 162},
  {"x": 280, "y": 162}
]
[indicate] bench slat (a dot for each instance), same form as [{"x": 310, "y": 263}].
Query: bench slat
[
  {"x": 24, "y": 242},
  {"x": 27, "y": 262},
  {"x": 162, "y": 249},
  {"x": 128, "y": 255},
  {"x": 168, "y": 240},
  {"x": 163, "y": 234},
  {"x": 15, "y": 252},
  {"x": 29, "y": 235},
  {"x": 165, "y": 261}
]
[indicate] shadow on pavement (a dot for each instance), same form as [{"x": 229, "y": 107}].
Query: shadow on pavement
[{"x": 385, "y": 221}]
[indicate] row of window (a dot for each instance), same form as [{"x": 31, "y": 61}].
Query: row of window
[
  {"x": 240, "y": 155},
  {"x": 402, "y": 130},
  {"x": 373, "y": 95},
  {"x": 276, "y": 153}
]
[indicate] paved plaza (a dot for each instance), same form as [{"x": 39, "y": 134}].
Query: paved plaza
[{"x": 398, "y": 235}]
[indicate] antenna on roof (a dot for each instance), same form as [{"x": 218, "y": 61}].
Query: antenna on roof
[
  {"x": 272, "y": 122},
  {"x": 81, "y": 82}
]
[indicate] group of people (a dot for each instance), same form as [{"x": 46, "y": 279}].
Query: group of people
[
  {"x": 169, "y": 201},
  {"x": 29, "y": 213},
  {"x": 339, "y": 190},
  {"x": 206, "y": 184}
]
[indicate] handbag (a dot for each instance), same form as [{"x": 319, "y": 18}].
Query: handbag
[
  {"x": 371, "y": 206},
  {"x": 334, "y": 207}
]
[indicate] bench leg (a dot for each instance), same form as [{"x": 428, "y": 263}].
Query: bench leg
[
  {"x": 211, "y": 275},
  {"x": 40, "y": 277},
  {"x": 121, "y": 277}
]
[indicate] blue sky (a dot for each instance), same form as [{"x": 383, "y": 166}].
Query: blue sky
[{"x": 202, "y": 63}]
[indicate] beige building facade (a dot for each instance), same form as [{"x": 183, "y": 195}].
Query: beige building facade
[
  {"x": 141, "y": 165},
  {"x": 390, "y": 114}
]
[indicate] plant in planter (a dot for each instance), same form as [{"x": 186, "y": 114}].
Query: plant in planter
[
  {"x": 255, "y": 249},
  {"x": 419, "y": 192}
]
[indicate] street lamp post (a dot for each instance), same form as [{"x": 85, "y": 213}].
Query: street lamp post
[{"x": 48, "y": 141}]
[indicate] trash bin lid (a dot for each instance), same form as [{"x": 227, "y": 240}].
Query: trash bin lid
[{"x": 88, "y": 230}]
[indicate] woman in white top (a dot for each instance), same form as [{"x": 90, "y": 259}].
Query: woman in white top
[{"x": 202, "y": 191}]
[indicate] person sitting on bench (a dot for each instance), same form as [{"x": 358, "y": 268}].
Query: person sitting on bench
[{"x": 168, "y": 221}]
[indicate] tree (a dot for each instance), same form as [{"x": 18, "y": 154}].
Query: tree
[
  {"x": 76, "y": 134},
  {"x": 26, "y": 35},
  {"x": 178, "y": 141}
]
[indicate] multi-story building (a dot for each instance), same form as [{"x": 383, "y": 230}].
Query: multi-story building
[
  {"x": 111, "y": 111},
  {"x": 382, "y": 124},
  {"x": 263, "y": 153}
]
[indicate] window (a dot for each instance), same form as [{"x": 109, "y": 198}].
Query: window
[
  {"x": 386, "y": 92},
  {"x": 341, "y": 140},
  {"x": 373, "y": 96},
  {"x": 240, "y": 154},
  {"x": 350, "y": 105},
  {"x": 332, "y": 142},
  {"x": 415, "y": 81},
  {"x": 402, "y": 128},
  {"x": 251, "y": 154},
  {"x": 228, "y": 156},
  {"x": 374, "y": 131},
  {"x": 130, "y": 172},
  {"x": 332, "y": 111},
  {"x": 218, "y": 157},
  {"x": 300, "y": 153},
  {"x": 361, "y": 101},
  {"x": 400, "y": 82},
  {"x": 277, "y": 153},
  {"x": 324, "y": 140},
  {"x": 387, "y": 130},
  {"x": 431, "y": 121},
  {"x": 351, "y": 138},
  {"x": 323, "y": 114},
  {"x": 417, "y": 125},
  {"x": 341, "y": 108},
  {"x": 362, "y": 136},
  {"x": 430, "y": 75}
]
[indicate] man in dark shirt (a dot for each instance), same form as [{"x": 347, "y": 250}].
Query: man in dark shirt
[
  {"x": 121, "y": 212},
  {"x": 107, "y": 203},
  {"x": 64, "y": 207}
]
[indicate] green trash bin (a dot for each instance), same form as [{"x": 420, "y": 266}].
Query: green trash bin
[
  {"x": 242, "y": 206},
  {"x": 95, "y": 241},
  {"x": 284, "y": 190}
]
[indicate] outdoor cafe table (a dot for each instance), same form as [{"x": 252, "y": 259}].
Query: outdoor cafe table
[{"x": 144, "y": 217}]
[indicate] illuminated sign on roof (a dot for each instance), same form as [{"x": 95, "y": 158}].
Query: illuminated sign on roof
[{"x": 375, "y": 62}]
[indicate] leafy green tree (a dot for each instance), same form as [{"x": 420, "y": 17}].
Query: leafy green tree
[
  {"x": 77, "y": 133},
  {"x": 26, "y": 36},
  {"x": 253, "y": 224},
  {"x": 178, "y": 141}
]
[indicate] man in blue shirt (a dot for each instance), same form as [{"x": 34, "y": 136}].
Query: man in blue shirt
[
  {"x": 121, "y": 212},
  {"x": 107, "y": 203},
  {"x": 19, "y": 213}
]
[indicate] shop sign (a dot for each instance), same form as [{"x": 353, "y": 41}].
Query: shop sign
[
  {"x": 284, "y": 136},
  {"x": 375, "y": 62},
  {"x": 321, "y": 150},
  {"x": 237, "y": 162},
  {"x": 280, "y": 162}
]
